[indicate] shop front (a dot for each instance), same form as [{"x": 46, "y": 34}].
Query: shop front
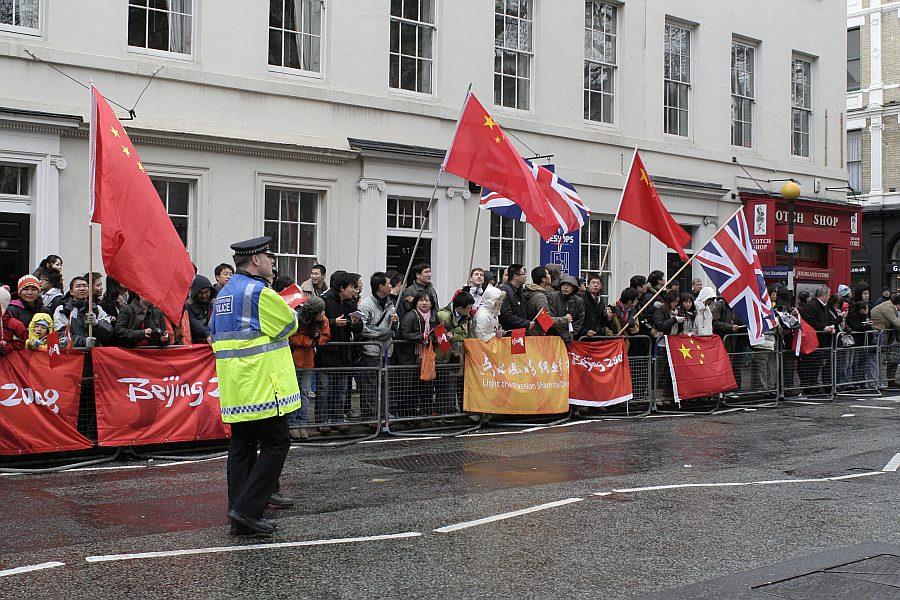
[{"x": 825, "y": 234}]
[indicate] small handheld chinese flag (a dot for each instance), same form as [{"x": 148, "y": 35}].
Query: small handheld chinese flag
[
  {"x": 544, "y": 319},
  {"x": 517, "y": 341},
  {"x": 54, "y": 352},
  {"x": 293, "y": 296},
  {"x": 443, "y": 338}
]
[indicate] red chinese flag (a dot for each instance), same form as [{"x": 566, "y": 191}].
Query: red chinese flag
[
  {"x": 54, "y": 351},
  {"x": 481, "y": 153},
  {"x": 642, "y": 208},
  {"x": 517, "y": 341},
  {"x": 293, "y": 296},
  {"x": 141, "y": 248},
  {"x": 699, "y": 365},
  {"x": 544, "y": 319},
  {"x": 443, "y": 338}
]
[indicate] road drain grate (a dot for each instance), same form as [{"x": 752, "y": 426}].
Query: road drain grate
[
  {"x": 425, "y": 462},
  {"x": 876, "y": 577}
]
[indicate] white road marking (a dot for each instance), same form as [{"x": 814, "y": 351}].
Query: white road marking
[
  {"x": 875, "y": 407},
  {"x": 409, "y": 439},
  {"x": 675, "y": 486},
  {"x": 219, "y": 549},
  {"x": 490, "y": 434},
  {"x": 893, "y": 464},
  {"x": 508, "y": 515},
  {"x": 848, "y": 415},
  {"x": 112, "y": 468},
  {"x": 802, "y": 402},
  {"x": 30, "y": 568}
]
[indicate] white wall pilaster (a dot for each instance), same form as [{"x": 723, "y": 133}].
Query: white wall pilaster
[{"x": 372, "y": 239}]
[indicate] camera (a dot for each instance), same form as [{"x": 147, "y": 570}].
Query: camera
[{"x": 156, "y": 334}]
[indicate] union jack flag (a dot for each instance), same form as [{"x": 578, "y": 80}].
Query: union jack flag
[
  {"x": 565, "y": 204},
  {"x": 731, "y": 262}
]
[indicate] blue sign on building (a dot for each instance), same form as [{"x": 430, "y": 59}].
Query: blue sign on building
[{"x": 567, "y": 254}]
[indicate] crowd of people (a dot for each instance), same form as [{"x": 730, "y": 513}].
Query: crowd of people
[{"x": 344, "y": 336}]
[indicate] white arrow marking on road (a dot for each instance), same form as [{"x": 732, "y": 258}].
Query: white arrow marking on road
[
  {"x": 893, "y": 464},
  {"x": 214, "y": 550},
  {"x": 30, "y": 568},
  {"x": 508, "y": 515}
]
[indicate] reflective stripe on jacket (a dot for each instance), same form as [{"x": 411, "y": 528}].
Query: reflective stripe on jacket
[{"x": 249, "y": 330}]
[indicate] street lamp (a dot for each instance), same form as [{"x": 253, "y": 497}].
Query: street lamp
[{"x": 790, "y": 191}]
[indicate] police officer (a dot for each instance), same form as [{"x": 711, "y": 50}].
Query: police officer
[{"x": 249, "y": 330}]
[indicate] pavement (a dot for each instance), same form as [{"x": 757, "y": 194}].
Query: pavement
[{"x": 765, "y": 503}]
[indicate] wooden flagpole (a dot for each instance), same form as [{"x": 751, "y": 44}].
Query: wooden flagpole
[{"x": 683, "y": 267}]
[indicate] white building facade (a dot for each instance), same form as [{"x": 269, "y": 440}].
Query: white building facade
[{"x": 323, "y": 122}]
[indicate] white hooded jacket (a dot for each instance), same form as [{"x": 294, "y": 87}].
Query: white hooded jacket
[
  {"x": 704, "y": 319},
  {"x": 487, "y": 321}
]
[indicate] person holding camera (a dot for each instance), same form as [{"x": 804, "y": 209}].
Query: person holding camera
[
  {"x": 74, "y": 322},
  {"x": 140, "y": 324}
]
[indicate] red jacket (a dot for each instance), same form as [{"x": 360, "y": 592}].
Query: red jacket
[
  {"x": 303, "y": 346},
  {"x": 13, "y": 334}
]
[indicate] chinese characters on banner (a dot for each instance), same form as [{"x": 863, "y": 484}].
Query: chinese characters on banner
[
  {"x": 599, "y": 374},
  {"x": 147, "y": 396},
  {"x": 39, "y": 407},
  {"x": 533, "y": 383}
]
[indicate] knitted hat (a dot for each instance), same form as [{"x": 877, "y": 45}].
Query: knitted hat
[
  {"x": 26, "y": 280},
  {"x": 843, "y": 291},
  {"x": 313, "y": 305}
]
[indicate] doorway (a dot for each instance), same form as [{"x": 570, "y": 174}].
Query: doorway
[
  {"x": 399, "y": 251},
  {"x": 14, "y": 247}
]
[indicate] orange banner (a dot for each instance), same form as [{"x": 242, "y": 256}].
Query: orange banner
[{"x": 533, "y": 383}]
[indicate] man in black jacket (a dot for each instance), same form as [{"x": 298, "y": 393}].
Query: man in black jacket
[
  {"x": 815, "y": 313},
  {"x": 596, "y": 322},
  {"x": 332, "y": 387},
  {"x": 199, "y": 308},
  {"x": 512, "y": 312},
  {"x": 730, "y": 328}
]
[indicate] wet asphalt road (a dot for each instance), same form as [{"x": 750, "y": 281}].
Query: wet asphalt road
[{"x": 621, "y": 544}]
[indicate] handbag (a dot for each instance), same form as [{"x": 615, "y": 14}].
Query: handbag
[
  {"x": 846, "y": 340},
  {"x": 427, "y": 370}
]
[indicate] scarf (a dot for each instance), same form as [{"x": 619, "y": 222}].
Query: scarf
[{"x": 426, "y": 316}]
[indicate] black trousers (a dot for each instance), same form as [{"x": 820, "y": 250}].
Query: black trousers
[{"x": 252, "y": 478}]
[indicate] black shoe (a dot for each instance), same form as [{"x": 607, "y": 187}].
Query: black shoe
[
  {"x": 257, "y": 526},
  {"x": 276, "y": 500},
  {"x": 242, "y": 530}
]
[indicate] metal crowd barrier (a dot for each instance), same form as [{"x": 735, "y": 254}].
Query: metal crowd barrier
[
  {"x": 856, "y": 366},
  {"x": 426, "y": 408},
  {"x": 756, "y": 369},
  {"x": 346, "y": 406}
]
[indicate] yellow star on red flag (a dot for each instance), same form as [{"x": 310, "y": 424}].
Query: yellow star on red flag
[
  {"x": 114, "y": 131},
  {"x": 489, "y": 122},
  {"x": 685, "y": 351},
  {"x": 126, "y": 151}
]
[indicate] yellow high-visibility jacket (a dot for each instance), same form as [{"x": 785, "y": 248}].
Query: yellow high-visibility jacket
[{"x": 249, "y": 330}]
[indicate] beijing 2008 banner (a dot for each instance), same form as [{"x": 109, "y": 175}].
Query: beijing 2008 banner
[
  {"x": 39, "y": 407},
  {"x": 599, "y": 374},
  {"x": 533, "y": 383},
  {"x": 152, "y": 396}
]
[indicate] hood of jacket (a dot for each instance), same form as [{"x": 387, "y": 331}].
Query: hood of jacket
[
  {"x": 490, "y": 298},
  {"x": 42, "y": 318},
  {"x": 532, "y": 288},
  {"x": 704, "y": 295},
  {"x": 200, "y": 282}
]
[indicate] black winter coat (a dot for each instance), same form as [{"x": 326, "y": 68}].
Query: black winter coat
[
  {"x": 595, "y": 318},
  {"x": 412, "y": 330},
  {"x": 330, "y": 355},
  {"x": 133, "y": 319},
  {"x": 512, "y": 312}
]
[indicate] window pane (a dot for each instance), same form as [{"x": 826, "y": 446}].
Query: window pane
[
  {"x": 158, "y": 30},
  {"x": 275, "y": 47},
  {"x": 137, "y": 27},
  {"x": 272, "y": 200},
  {"x": 181, "y": 227},
  {"x": 307, "y": 239},
  {"x": 179, "y": 195},
  {"x": 308, "y": 204}
]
